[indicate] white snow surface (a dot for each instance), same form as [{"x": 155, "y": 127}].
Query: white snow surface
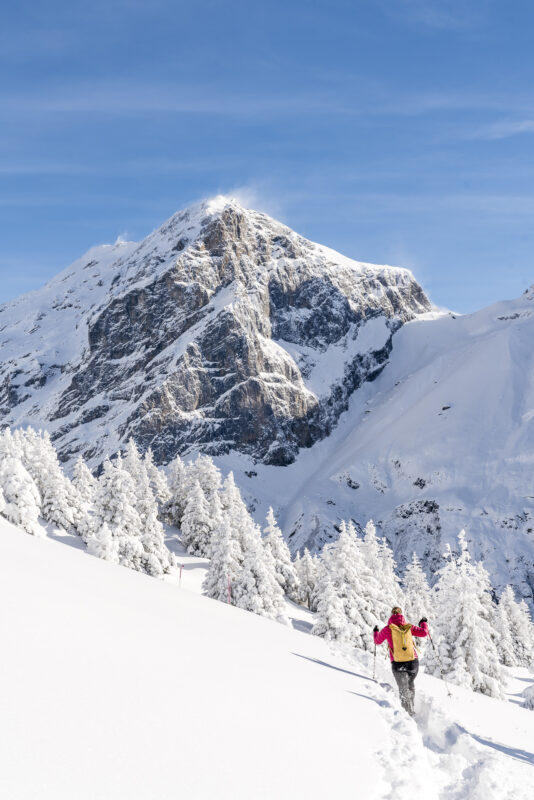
[{"x": 116, "y": 685}]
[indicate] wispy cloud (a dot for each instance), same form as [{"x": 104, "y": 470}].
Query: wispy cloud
[
  {"x": 503, "y": 129},
  {"x": 447, "y": 15}
]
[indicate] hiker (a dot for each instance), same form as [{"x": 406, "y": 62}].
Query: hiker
[{"x": 402, "y": 653}]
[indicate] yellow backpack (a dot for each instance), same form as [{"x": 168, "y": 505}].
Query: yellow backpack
[{"x": 403, "y": 646}]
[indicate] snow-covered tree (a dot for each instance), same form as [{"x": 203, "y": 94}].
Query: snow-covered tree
[
  {"x": 196, "y": 523},
  {"x": 306, "y": 568},
  {"x": 157, "y": 559},
  {"x": 389, "y": 581},
  {"x": 115, "y": 506},
  {"x": 175, "y": 506},
  {"x": 345, "y": 568},
  {"x": 157, "y": 479},
  {"x": 234, "y": 507},
  {"x": 331, "y": 620},
  {"x": 225, "y": 563},
  {"x": 255, "y": 587},
  {"x": 528, "y": 695},
  {"x": 102, "y": 544},
  {"x": 207, "y": 474},
  {"x": 85, "y": 486},
  {"x": 379, "y": 562},
  {"x": 21, "y": 501},
  {"x": 417, "y": 594},
  {"x": 515, "y": 631},
  {"x": 39, "y": 457},
  {"x": 464, "y": 635},
  {"x": 285, "y": 569}
]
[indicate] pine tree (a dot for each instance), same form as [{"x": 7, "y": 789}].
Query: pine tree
[
  {"x": 285, "y": 569},
  {"x": 85, "y": 487},
  {"x": 20, "y": 496},
  {"x": 225, "y": 564},
  {"x": 115, "y": 507},
  {"x": 196, "y": 523},
  {"x": 345, "y": 568},
  {"x": 39, "y": 457},
  {"x": 417, "y": 595},
  {"x": 175, "y": 506},
  {"x": 379, "y": 562},
  {"x": 464, "y": 633},
  {"x": 528, "y": 695},
  {"x": 102, "y": 544},
  {"x": 331, "y": 621},
  {"x": 158, "y": 559},
  {"x": 157, "y": 479},
  {"x": 256, "y": 588},
  {"x": 306, "y": 569},
  {"x": 515, "y": 629},
  {"x": 236, "y": 510}
]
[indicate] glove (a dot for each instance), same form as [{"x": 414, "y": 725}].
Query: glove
[
  {"x": 376, "y": 629},
  {"x": 423, "y": 619}
]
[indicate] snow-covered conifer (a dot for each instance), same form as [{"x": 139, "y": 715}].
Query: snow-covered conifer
[
  {"x": 515, "y": 630},
  {"x": 157, "y": 479},
  {"x": 196, "y": 523},
  {"x": 285, "y": 570},
  {"x": 39, "y": 457},
  {"x": 102, "y": 544},
  {"x": 528, "y": 695},
  {"x": 226, "y": 557},
  {"x": 379, "y": 562},
  {"x": 344, "y": 567},
  {"x": 175, "y": 506},
  {"x": 234, "y": 507},
  {"x": 21, "y": 499},
  {"x": 85, "y": 486},
  {"x": 256, "y": 588},
  {"x": 115, "y": 506},
  {"x": 331, "y": 620},
  {"x": 417, "y": 594},
  {"x": 464, "y": 636},
  {"x": 306, "y": 569}
]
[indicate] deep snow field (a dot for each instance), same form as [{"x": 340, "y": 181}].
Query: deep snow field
[{"x": 116, "y": 685}]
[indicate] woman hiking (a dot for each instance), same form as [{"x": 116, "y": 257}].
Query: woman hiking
[{"x": 402, "y": 653}]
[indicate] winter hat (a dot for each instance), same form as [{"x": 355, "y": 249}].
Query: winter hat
[{"x": 396, "y": 610}]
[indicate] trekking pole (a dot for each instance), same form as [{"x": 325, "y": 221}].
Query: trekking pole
[
  {"x": 374, "y": 662},
  {"x": 440, "y": 665}
]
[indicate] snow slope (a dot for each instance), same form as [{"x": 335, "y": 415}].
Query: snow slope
[
  {"x": 115, "y": 685},
  {"x": 442, "y": 440}
]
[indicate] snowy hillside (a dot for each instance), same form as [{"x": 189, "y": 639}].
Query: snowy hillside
[
  {"x": 214, "y": 332},
  {"x": 118, "y": 685},
  {"x": 442, "y": 440}
]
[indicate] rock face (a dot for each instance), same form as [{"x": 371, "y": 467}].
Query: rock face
[{"x": 223, "y": 330}]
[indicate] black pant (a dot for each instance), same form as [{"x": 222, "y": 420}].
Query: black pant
[{"x": 405, "y": 673}]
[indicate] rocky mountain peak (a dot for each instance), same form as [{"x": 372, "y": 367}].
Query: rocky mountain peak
[{"x": 223, "y": 329}]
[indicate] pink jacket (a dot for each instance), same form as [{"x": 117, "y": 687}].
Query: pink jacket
[{"x": 385, "y": 633}]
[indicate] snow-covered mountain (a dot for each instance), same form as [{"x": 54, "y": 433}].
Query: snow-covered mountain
[
  {"x": 223, "y": 329},
  {"x": 329, "y": 386}
]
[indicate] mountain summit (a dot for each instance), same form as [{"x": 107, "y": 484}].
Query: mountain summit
[{"x": 222, "y": 330}]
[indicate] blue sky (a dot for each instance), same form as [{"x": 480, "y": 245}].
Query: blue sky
[{"x": 396, "y": 131}]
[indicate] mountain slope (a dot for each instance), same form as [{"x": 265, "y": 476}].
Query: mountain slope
[
  {"x": 118, "y": 685},
  {"x": 442, "y": 440},
  {"x": 212, "y": 332}
]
